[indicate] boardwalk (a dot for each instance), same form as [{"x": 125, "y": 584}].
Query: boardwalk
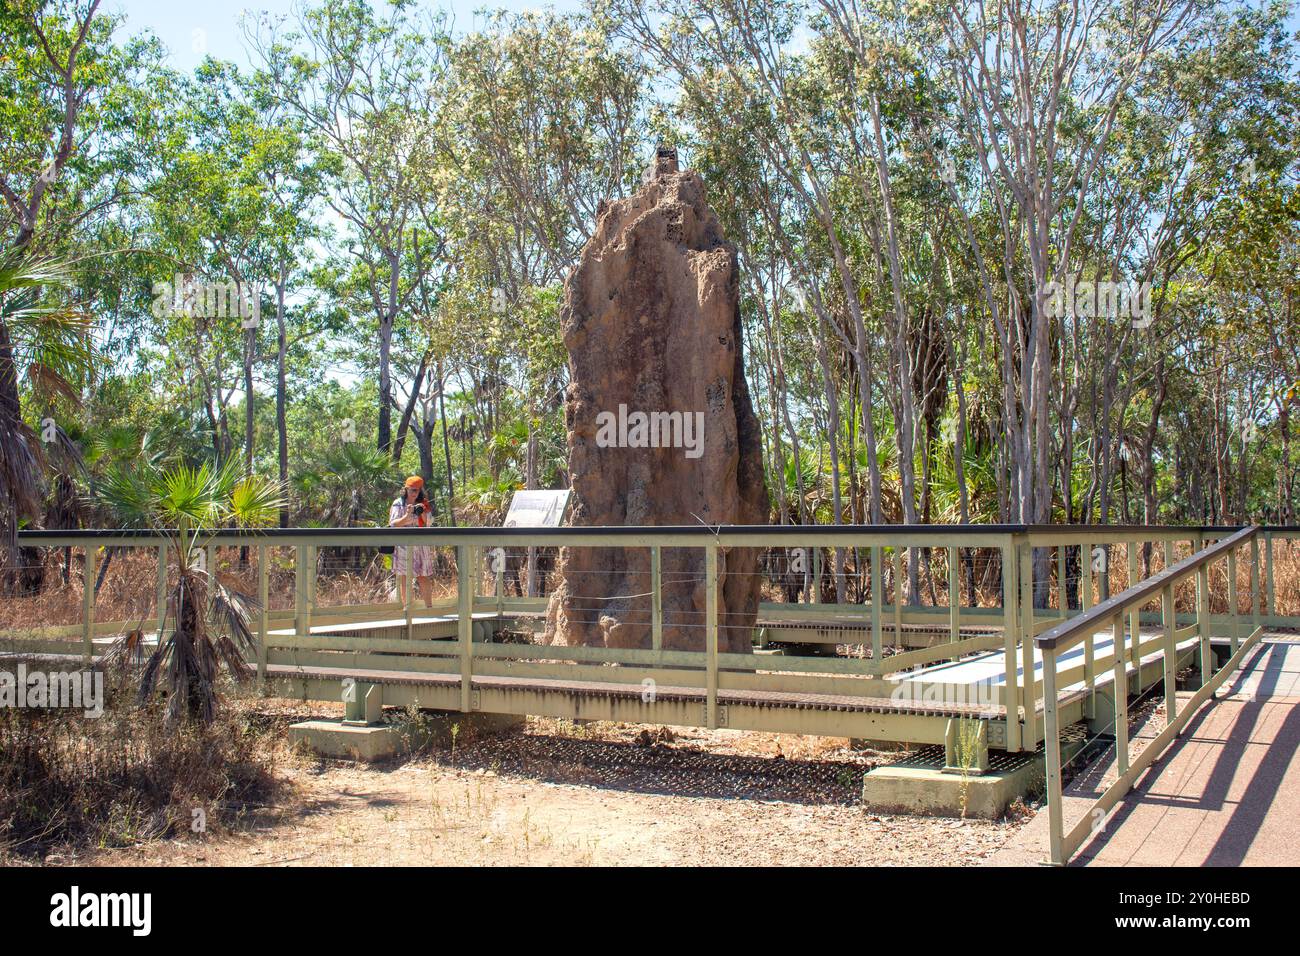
[{"x": 1228, "y": 791}]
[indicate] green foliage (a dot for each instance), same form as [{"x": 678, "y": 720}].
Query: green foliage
[
  {"x": 407, "y": 198},
  {"x": 206, "y": 623}
]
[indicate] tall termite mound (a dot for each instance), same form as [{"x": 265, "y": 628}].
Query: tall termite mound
[{"x": 661, "y": 430}]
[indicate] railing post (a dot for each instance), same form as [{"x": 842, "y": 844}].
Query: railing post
[
  {"x": 817, "y": 576},
  {"x": 1234, "y": 622},
  {"x": 263, "y": 598},
  {"x": 308, "y": 587},
  {"x": 162, "y": 589},
  {"x": 899, "y": 592},
  {"x": 954, "y": 598},
  {"x": 656, "y": 598},
  {"x": 1052, "y": 756},
  {"x": 1028, "y": 684},
  {"x": 1121, "y": 695},
  {"x": 88, "y": 607},
  {"x": 877, "y": 598},
  {"x": 1167, "y": 611},
  {"x": 1089, "y": 651},
  {"x": 1170, "y": 555},
  {"x": 312, "y": 580},
  {"x": 1270, "y": 594},
  {"x": 1203, "y": 619},
  {"x": 1010, "y": 640},
  {"x": 1063, "y": 584},
  {"x": 409, "y": 603},
  {"x": 1254, "y": 582},
  {"x": 464, "y": 623},
  {"x": 299, "y": 590},
  {"x": 1135, "y": 615},
  {"x": 711, "y": 633},
  {"x": 1085, "y": 576},
  {"x": 499, "y": 578}
]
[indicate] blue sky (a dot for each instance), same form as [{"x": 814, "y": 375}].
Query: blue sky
[{"x": 191, "y": 30}]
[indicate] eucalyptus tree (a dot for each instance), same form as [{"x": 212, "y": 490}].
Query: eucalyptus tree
[
  {"x": 240, "y": 161},
  {"x": 290, "y": 179},
  {"x": 49, "y": 52},
  {"x": 1040, "y": 85},
  {"x": 365, "y": 85},
  {"x": 62, "y": 113},
  {"x": 543, "y": 122}
]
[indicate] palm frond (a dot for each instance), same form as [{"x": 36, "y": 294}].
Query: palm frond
[
  {"x": 206, "y": 623},
  {"x": 127, "y": 492},
  {"x": 255, "y": 502}
]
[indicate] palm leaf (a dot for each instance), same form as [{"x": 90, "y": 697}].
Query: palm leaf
[{"x": 206, "y": 624}]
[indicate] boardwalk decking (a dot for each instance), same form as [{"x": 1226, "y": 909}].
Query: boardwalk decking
[{"x": 1228, "y": 791}]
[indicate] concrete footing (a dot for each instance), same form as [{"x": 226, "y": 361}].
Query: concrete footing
[
  {"x": 379, "y": 741},
  {"x": 920, "y": 784}
]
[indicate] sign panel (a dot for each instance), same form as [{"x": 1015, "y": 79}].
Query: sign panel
[{"x": 537, "y": 509}]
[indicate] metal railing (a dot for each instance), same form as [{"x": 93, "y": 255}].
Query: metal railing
[
  {"x": 288, "y": 635},
  {"x": 1114, "y": 613}
]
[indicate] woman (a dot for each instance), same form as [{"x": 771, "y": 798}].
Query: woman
[{"x": 411, "y": 510}]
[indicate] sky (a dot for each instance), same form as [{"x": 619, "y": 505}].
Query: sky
[{"x": 190, "y": 30}]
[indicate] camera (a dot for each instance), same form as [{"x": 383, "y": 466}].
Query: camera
[{"x": 419, "y": 509}]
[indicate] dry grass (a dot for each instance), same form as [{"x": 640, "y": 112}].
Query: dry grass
[
  {"x": 557, "y": 792},
  {"x": 129, "y": 589},
  {"x": 1286, "y": 578},
  {"x": 123, "y": 778}
]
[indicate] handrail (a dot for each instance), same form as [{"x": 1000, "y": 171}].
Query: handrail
[
  {"x": 700, "y": 530},
  {"x": 1016, "y": 544},
  {"x": 1061, "y": 844},
  {"x": 53, "y": 536},
  {"x": 1065, "y": 635}
]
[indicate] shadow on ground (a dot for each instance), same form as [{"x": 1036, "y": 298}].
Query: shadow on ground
[{"x": 655, "y": 763}]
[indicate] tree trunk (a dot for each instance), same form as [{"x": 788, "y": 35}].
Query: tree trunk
[{"x": 281, "y": 398}]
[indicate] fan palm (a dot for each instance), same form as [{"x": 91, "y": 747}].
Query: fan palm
[
  {"x": 205, "y": 622},
  {"x": 355, "y": 485},
  {"x": 486, "y": 499},
  {"x": 355, "y": 475},
  {"x": 45, "y": 343}
]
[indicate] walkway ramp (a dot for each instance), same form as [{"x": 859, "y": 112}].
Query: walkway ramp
[{"x": 1226, "y": 793}]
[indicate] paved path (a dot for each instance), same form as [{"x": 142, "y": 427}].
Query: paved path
[{"x": 1227, "y": 792}]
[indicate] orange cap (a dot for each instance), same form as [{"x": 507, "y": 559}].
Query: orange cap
[{"x": 415, "y": 481}]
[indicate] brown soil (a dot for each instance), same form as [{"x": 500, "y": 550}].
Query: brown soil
[{"x": 595, "y": 794}]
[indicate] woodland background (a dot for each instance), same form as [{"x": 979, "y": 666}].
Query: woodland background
[{"x": 904, "y": 182}]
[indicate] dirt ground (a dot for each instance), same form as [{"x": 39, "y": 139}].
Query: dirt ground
[{"x": 559, "y": 793}]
